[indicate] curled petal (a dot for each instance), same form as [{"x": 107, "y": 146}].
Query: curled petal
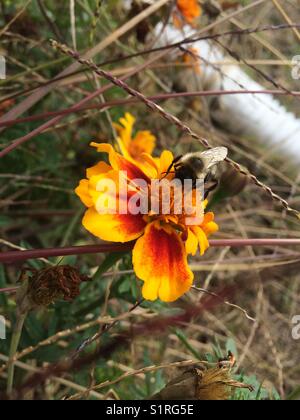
[
  {"x": 210, "y": 228},
  {"x": 113, "y": 227},
  {"x": 125, "y": 128},
  {"x": 208, "y": 225},
  {"x": 160, "y": 260}
]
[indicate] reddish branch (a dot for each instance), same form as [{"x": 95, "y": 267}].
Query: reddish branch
[
  {"x": 158, "y": 97},
  {"x": 15, "y": 256}
]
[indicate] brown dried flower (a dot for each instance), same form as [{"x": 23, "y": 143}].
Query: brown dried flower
[
  {"x": 52, "y": 283},
  {"x": 201, "y": 383}
]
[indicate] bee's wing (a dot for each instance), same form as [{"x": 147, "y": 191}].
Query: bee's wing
[{"x": 213, "y": 156}]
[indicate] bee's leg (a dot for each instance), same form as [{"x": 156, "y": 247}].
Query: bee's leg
[{"x": 211, "y": 188}]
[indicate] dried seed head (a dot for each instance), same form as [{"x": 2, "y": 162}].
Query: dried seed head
[
  {"x": 201, "y": 383},
  {"x": 217, "y": 384},
  {"x": 52, "y": 283}
]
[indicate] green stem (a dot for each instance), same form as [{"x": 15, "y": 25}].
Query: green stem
[{"x": 13, "y": 349}]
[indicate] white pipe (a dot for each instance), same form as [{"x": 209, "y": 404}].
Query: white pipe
[{"x": 257, "y": 116}]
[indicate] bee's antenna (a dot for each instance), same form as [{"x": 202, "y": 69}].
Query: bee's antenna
[{"x": 175, "y": 160}]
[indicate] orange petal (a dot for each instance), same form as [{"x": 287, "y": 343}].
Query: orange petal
[
  {"x": 98, "y": 169},
  {"x": 208, "y": 217},
  {"x": 83, "y": 193},
  {"x": 160, "y": 260},
  {"x": 113, "y": 227},
  {"x": 190, "y": 9},
  {"x": 144, "y": 142}
]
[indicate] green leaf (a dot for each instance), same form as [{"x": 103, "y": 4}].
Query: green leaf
[
  {"x": 182, "y": 337},
  {"x": 109, "y": 262},
  {"x": 294, "y": 395}
]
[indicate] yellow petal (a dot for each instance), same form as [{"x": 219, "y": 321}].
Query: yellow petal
[
  {"x": 125, "y": 128},
  {"x": 160, "y": 260},
  {"x": 208, "y": 225},
  {"x": 165, "y": 160},
  {"x": 100, "y": 168},
  {"x": 191, "y": 244},
  {"x": 123, "y": 148},
  {"x": 210, "y": 228},
  {"x": 202, "y": 239}
]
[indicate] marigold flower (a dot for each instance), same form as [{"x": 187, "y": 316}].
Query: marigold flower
[
  {"x": 163, "y": 241},
  {"x": 189, "y": 9}
]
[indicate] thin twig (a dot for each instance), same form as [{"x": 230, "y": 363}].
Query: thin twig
[
  {"x": 286, "y": 17},
  {"x": 53, "y": 27},
  {"x": 64, "y": 382},
  {"x": 104, "y": 330},
  {"x": 198, "y": 289},
  {"x": 147, "y": 369},
  {"x": 17, "y": 15}
]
